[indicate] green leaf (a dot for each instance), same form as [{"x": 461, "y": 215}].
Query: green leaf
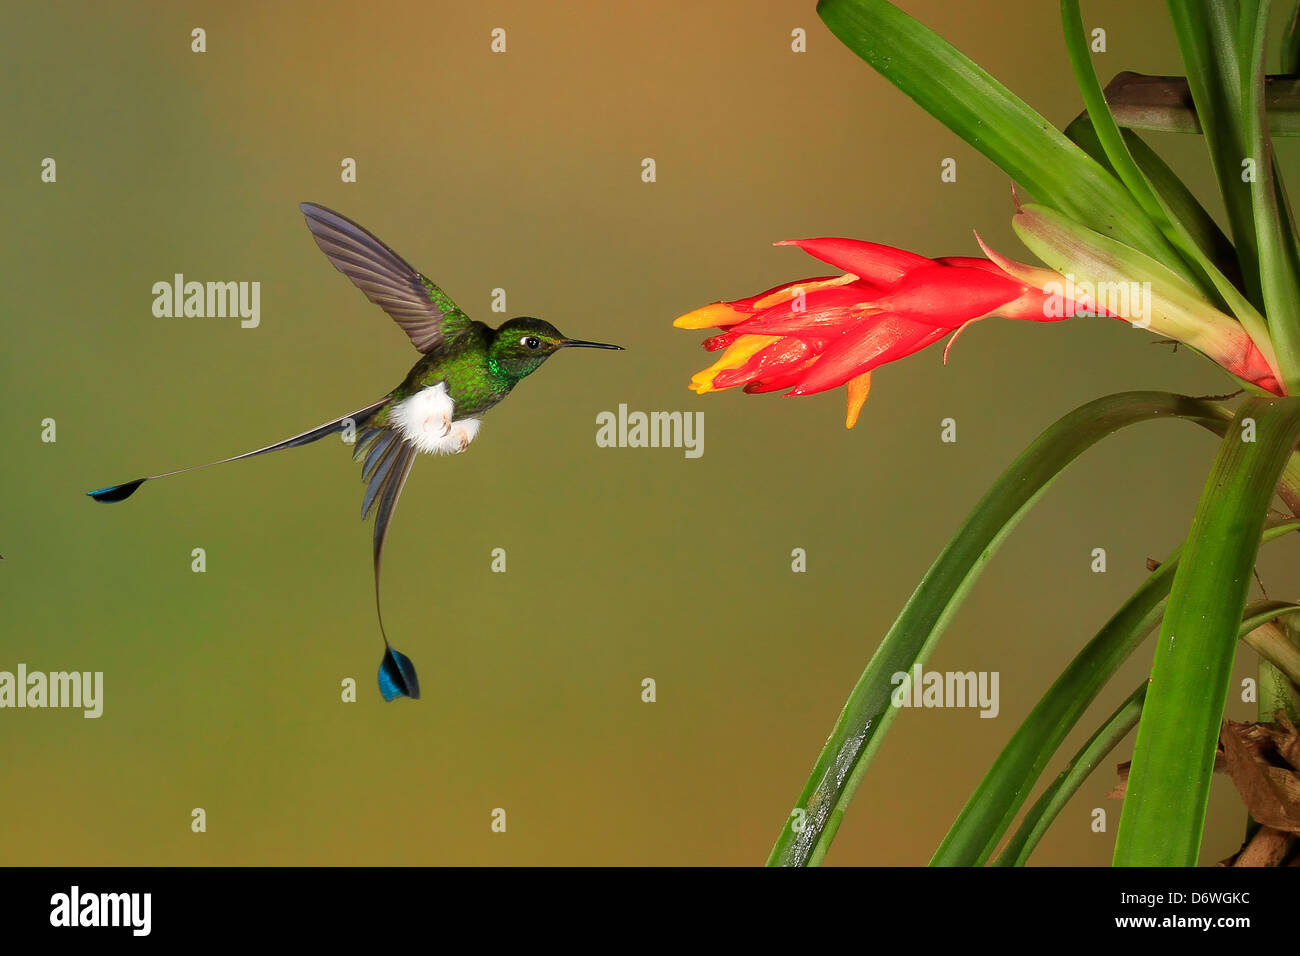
[
  {"x": 1279, "y": 267},
  {"x": 1200, "y": 268},
  {"x": 1206, "y": 32},
  {"x": 1103, "y": 741},
  {"x": 966, "y": 99},
  {"x": 1291, "y": 44},
  {"x": 984, "y": 819},
  {"x": 1108, "y": 134},
  {"x": 1278, "y": 645},
  {"x": 868, "y": 712},
  {"x": 1181, "y": 202},
  {"x": 1058, "y": 794},
  {"x": 1164, "y": 810},
  {"x": 1045, "y": 810},
  {"x": 991, "y": 808},
  {"x": 1270, "y": 641}
]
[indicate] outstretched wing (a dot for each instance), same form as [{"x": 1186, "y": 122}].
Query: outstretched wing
[{"x": 426, "y": 313}]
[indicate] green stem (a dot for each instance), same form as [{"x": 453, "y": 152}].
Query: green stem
[
  {"x": 1044, "y": 812},
  {"x": 1279, "y": 669},
  {"x": 973, "y": 105},
  {"x": 1207, "y": 41},
  {"x": 1181, "y": 202},
  {"x": 868, "y": 713},
  {"x": 1164, "y": 812},
  {"x": 1197, "y": 265},
  {"x": 993, "y": 805},
  {"x": 1163, "y": 104},
  {"x": 1279, "y": 268},
  {"x": 1112, "y": 142}
]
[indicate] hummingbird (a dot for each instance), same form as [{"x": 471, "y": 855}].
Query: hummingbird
[{"x": 465, "y": 368}]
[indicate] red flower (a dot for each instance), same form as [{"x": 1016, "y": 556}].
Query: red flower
[{"x": 818, "y": 334}]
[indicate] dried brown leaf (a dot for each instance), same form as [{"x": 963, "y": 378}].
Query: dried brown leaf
[
  {"x": 1269, "y": 786},
  {"x": 1268, "y": 847}
]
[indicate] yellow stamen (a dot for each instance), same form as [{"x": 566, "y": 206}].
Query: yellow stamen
[
  {"x": 858, "y": 388},
  {"x": 736, "y": 355},
  {"x": 789, "y": 292},
  {"x": 715, "y": 315}
]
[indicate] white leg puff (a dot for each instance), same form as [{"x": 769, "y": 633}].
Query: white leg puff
[{"x": 427, "y": 420}]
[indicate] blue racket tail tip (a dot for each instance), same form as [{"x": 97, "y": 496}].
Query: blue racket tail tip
[
  {"x": 117, "y": 492},
  {"x": 397, "y": 676}
]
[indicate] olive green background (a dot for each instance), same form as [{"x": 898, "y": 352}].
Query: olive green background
[{"x": 522, "y": 171}]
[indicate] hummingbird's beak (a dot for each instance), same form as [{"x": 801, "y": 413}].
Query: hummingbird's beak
[{"x": 579, "y": 344}]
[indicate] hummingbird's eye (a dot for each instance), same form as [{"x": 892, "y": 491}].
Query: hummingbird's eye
[{"x": 531, "y": 342}]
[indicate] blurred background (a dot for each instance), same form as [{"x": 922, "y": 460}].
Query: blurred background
[{"x": 522, "y": 171}]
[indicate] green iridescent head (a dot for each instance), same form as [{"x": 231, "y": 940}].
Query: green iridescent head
[{"x": 521, "y": 345}]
